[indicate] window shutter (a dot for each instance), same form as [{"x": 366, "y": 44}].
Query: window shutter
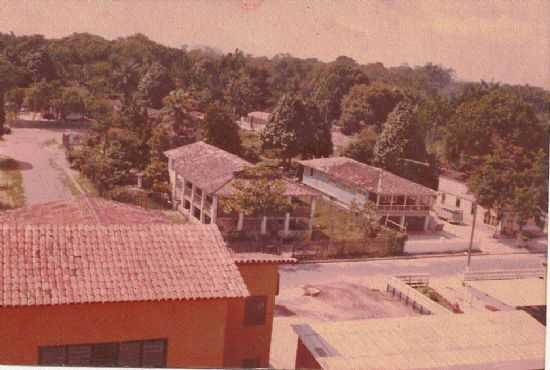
[
  {"x": 129, "y": 354},
  {"x": 255, "y": 310},
  {"x": 52, "y": 355},
  {"x": 79, "y": 355},
  {"x": 153, "y": 353},
  {"x": 105, "y": 354}
]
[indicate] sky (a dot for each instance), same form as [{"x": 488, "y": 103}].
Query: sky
[{"x": 493, "y": 40}]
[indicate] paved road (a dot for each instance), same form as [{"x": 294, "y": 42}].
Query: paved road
[
  {"x": 297, "y": 275},
  {"x": 41, "y": 161}
]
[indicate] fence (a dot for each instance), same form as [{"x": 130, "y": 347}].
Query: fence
[
  {"x": 415, "y": 280},
  {"x": 504, "y": 274},
  {"x": 418, "y": 301}
]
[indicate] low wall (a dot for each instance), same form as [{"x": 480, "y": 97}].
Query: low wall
[
  {"x": 48, "y": 124},
  {"x": 418, "y": 301},
  {"x": 327, "y": 249}
]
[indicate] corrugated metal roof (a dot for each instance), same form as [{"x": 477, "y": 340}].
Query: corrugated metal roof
[{"x": 461, "y": 341}]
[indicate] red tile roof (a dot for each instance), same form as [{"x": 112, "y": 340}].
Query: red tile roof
[
  {"x": 250, "y": 258},
  {"x": 83, "y": 210},
  {"x": 206, "y": 166},
  {"x": 364, "y": 177},
  {"x": 63, "y": 264}
]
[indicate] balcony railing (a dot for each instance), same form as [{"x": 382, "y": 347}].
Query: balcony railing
[{"x": 400, "y": 207}]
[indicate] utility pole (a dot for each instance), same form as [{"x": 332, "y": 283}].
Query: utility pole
[{"x": 474, "y": 206}]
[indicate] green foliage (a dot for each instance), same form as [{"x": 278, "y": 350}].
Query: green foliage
[
  {"x": 257, "y": 191},
  {"x": 156, "y": 172},
  {"x": 367, "y": 105},
  {"x": 366, "y": 218},
  {"x": 333, "y": 83},
  {"x": 155, "y": 85},
  {"x": 295, "y": 128},
  {"x": 15, "y": 98},
  {"x": 220, "y": 129},
  {"x": 362, "y": 148},
  {"x": 72, "y": 101}
]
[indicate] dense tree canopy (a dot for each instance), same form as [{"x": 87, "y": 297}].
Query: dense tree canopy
[{"x": 220, "y": 129}]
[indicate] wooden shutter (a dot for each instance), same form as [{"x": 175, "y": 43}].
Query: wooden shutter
[
  {"x": 129, "y": 354},
  {"x": 79, "y": 355},
  {"x": 105, "y": 354},
  {"x": 255, "y": 310},
  {"x": 52, "y": 355},
  {"x": 153, "y": 353}
]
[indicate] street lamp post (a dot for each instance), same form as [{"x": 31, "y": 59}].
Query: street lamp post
[{"x": 474, "y": 206}]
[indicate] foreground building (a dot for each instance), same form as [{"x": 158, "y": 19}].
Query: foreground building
[
  {"x": 202, "y": 174},
  {"x": 135, "y": 295},
  {"x": 510, "y": 340},
  {"x": 398, "y": 200}
]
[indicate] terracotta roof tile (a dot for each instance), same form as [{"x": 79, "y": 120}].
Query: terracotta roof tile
[
  {"x": 205, "y": 165},
  {"x": 83, "y": 210},
  {"x": 365, "y": 177},
  {"x": 63, "y": 264}
]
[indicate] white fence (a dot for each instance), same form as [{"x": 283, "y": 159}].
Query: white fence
[
  {"x": 505, "y": 274},
  {"x": 417, "y": 300}
]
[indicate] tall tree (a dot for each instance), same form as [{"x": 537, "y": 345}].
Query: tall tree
[
  {"x": 362, "y": 148},
  {"x": 295, "y": 128},
  {"x": 156, "y": 172},
  {"x": 220, "y": 129},
  {"x": 155, "y": 85}
]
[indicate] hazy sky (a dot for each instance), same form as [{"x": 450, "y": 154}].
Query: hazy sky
[{"x": 501, "y": 40}]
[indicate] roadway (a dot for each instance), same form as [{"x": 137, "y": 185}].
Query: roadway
[{"x": 321, "y": 273}]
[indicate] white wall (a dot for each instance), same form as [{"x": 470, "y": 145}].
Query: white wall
[{"x": 322, "y": 183}]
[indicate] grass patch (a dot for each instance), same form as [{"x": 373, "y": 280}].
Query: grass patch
[
  {"x": 12, "y": 194},
  {"x": 438, "y": 298},
  {"x": 336, "y": 222},
  {"x": 176, "y": 217}
]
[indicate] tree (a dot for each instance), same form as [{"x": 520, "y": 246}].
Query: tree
[
  {"x": 399, "y": 139},
  {"x": 488, "y": 114},
  {"x": 362, "y": 148},
  {"x": 257, "y": 191},
  {"x": 15, "y": 98},
  {"x": 10, "y": 76},
  {"x": 295, "y": 128},
  {"x": 333, "y": 83},
  {"x": 40, "y": 66},
  {"x": 72, "y": 101},
  {"x": 366, "y": 218},
  {"x": 247, "y": 90},
  {"x": 220, "y": 129},
  {"x": 155, "y": 85},
  {"x": 156, "y": 172},
  {"x": 367, "y": 105}
]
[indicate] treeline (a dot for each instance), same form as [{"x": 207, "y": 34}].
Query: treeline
[{"x": 409, "y": 120}]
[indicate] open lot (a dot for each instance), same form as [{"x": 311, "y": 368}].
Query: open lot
[{"x": 339, "y": 300}]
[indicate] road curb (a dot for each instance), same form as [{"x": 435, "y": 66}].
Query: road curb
[{"x": 417, "y": 256}]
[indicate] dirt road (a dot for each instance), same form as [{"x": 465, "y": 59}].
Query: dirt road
[{"x": 41, "y": 161}]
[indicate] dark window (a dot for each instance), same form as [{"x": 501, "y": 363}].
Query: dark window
[
  {"x": 457, "y": 202},
  {"x": 442, "y": 198},
  {"x": 250, "y": 363},
  {"x": 255, "y": 310},
  {"x": 150, "y": 353},
  {"x": 278, "y": 283}
]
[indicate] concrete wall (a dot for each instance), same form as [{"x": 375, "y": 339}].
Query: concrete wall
[
  {"x": 253, "y": 341},
  {"x": 323, "y": 183},
  {"x": 195, "y": 330}
]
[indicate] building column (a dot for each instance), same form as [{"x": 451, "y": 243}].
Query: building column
[
  {"x": 263, "y": 229},
  {"x": 203, "y": 199},
  {"x": 192, "y": 199},
  {"x": 214, "y": 209},
  {"x": 311, "y": 217},
  {"x": 182, "y": 199},
  {"x": 174, "y": 195},
  {"x": 377, "y": 199},
  {"x": 240, "y": 221},
  {"x": 402, "y": 221},
  {"x": 287, "y": 224},
  {"x": 426, "y": 223}
]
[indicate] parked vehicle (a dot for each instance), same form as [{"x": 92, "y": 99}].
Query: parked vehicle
[{"x": 451, "y": 215}]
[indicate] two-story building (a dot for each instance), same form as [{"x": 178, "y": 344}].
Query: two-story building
[
  {"x": 201, "y": 175},
  {"x": 90, "y": 291},
  {"x": 346, "y": 181}
]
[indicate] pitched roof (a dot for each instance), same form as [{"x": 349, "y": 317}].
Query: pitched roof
[
  {"x": 468, "y": 341},
  {"x": 83, "y": 210},
  {"x": 359, "y": 175},
  {"x": 55, "y": 264},
  {"x": 206, "y": 166}
]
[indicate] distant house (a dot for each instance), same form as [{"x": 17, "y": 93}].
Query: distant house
[
  {"x": 345, "y": 181},
  {"x": 202, "y": 174},
  {"x": 255, "y": 121},
  {"x": 475, "y": 341},
  {"x": 98, "y": 293}
]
